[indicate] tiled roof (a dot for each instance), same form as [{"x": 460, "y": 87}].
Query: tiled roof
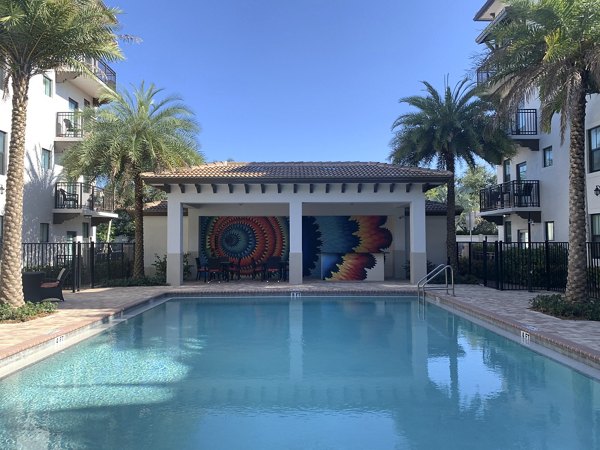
[
  {"x": 261, "y": 172},
  {"x": 439, "y": 209},
  {"x": 158, "y": 208}
]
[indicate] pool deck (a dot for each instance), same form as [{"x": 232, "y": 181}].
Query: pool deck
[{"x": 507, "y": 310}]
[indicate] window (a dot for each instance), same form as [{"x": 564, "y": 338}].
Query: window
[
  {"x": 522, "y": 171},
  {"x": 47, "y": 86},
  {"x": 595, "y": 235},
  {"x": 523, "y": 236},
  {"x": 46, "y": 159},
  {"x": 506, "y": 170},
  {"x": 73, "y": 105},
  {"x": 44, "y": 232},
  {"x": 594, "y": 137},
  {"x": 548, "y": 156},
  {"x": 2, "y": 153},
  {"x": 1, "y": 227},
  {"x": 507, "y": 232},
  {"x": 549, "y": 231},
  {"x": 85, "y": 231}
]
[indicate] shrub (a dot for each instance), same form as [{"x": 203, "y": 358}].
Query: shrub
[
  {"x": 125, "y": 282},
  {"x": 556, "y": 305},
  {"x": 26, "y": 312}
]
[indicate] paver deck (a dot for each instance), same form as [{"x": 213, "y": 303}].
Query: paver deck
[{"x": 506, "y": 309}]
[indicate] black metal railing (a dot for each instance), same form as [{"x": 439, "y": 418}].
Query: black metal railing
[
  {"x": 483, "y": 75},
  {"x": 524, "y": 123},
  {"x": 512, "y": 194},
  {"x": 525, "y": 265},
  {"x": 89, "y": 264},
  {"x": 103, "y": 71},
  {"x": 82, "y": 196},
  {"x": 69, "y": 124}
]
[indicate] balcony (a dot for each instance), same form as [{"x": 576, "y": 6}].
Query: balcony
[
  {"x": 82, "y": 199},
  {"x": 520, "y": 197},
  {"x": 104, "y": 76},
  {"x": 524, "y": 128},
  {"x": 483, "y": 75},
  {"x": 69, "y": 125}
]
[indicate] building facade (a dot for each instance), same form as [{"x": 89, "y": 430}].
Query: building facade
[
  {"x": 532, "y": 198},
  {"x": 56, "y": 209}
]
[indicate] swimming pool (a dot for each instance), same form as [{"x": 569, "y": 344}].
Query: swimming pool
[{"x": 300, "y": 373}]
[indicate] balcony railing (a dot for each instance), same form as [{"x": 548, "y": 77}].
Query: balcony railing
[
  {"x": 69, "y": 124},
  {"x": 483, "y": 75},
  {"x": 524, "y": 123},
  {"x": 512, "y": 194},
  {"x": 82, "y": 196},
  {"x": 103, "y": 71}
]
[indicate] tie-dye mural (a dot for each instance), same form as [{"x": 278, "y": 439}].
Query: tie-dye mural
[{"x": 335, "y": 248}]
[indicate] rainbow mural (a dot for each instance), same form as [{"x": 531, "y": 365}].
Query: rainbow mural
[{"x": 347, "y": 242}]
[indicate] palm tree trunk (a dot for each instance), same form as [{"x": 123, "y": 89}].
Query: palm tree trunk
[
  {"x": 138, "y": 260},
  {"x": 11, "y": 286},
  {"x": 450, "y": 215},
  {"x": 576, "y": 275}
]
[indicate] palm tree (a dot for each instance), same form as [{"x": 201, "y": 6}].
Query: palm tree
[
  {"x": 36, "y": 36},
  {"x": 135, "y": 133},
  {"x": 551, "y": 49},
  {"x": 447, "y": 128}
]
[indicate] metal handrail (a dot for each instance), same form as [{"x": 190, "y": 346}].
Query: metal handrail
[{"x": 423, "y": 282}]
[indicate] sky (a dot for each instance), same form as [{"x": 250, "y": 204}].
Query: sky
[{"x": 296, "y": 80}]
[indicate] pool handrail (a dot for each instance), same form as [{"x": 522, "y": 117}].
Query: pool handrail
[{"x": 423, "y": 282}]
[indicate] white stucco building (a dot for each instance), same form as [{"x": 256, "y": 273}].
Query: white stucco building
[
  {"x": 56, "y": 209},
  {"x": 329, "y": 220},
  {"x": 531, "y": 201}
]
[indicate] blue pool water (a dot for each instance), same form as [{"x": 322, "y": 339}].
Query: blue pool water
[{"x": 298, "y": 374}]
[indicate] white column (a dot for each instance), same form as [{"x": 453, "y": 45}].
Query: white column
[
  {"x": 418, "y": 241},
  {"x": 399, "y": 246},
  {"x": 174, "y": 242},
  {"x": 295, "y": 274}
]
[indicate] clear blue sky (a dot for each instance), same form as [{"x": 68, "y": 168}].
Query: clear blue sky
[{"x": 296, "y": 80}]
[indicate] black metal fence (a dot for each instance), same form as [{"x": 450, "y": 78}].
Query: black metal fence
[
  {"x": 90, "y": 264},
  {"x": 525, "y": 265},
  {"x": 524, "y": 122}
]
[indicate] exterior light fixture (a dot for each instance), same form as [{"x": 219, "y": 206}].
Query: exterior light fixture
[
  {"x": 597, "y": 190},
  {"x": 1, "y": 189}
]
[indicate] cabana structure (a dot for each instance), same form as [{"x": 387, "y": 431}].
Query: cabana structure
[{"x": 328, "y": 220}]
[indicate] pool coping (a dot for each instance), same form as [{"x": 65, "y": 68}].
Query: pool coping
[{"x": 60, "y": 337}]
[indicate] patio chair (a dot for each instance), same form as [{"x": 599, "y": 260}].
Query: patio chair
[
  {"x": 201, "y": 268},
  {"x": 69, "y": 200},
  {"x": 273, "y": 268},
  {"x": 53, "y": 289},
  {"x": 214, "y": 269},
  {"x": 257, "y": 269},
  {"x": 31, "y": 286},
  {"x": 235, "y": 268}
]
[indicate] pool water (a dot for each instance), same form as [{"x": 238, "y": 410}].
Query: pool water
[{"x": 307, "y": 373}]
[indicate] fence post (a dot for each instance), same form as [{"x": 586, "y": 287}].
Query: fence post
[
  {"x": 499, "y": 265},
  {"x": 485, "y": 261},
  {"x": 73, "y": 264},
  {"x": 91, "y": 262},
  {"x": 547, "y": 263},
  {"x": 79, "y": 265}
]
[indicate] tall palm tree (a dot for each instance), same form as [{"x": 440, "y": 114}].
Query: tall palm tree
[
  {"x": 135, "y": 133},
  {"x": 446, "y": 128},
  {"x": 36, "y": 36},
  {"x": 551, "y": 49}
]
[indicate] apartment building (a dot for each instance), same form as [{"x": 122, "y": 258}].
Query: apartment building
[
  {"x": 532, "y": 197},
  {"x": 56, "y": 209}
]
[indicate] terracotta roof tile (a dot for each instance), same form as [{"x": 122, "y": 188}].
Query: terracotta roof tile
[{"x": 297, "y": 171}]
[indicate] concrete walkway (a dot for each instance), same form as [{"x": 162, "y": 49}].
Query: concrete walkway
[{"x": 505, "y": 309}]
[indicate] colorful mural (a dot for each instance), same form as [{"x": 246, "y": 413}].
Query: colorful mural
[{"x": 335, "y": 247}]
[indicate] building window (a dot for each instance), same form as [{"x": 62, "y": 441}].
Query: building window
[
  {"x": 507, "y": 232},
  {"x": 44, "y": 232},
  {"x": 594, "y": 136},
  {"x": 506, "y": 170},
  {"x": 46, "y": 159},
  {"x": 549, "y": 231},
  {"x": 523, "y": 236},
  {"x": 548, "y": 156},
  {"x": 85, "y": 230},
  {"x": 1, "y": 228},
  {"x": 522, "y": 171},
  {"x": 2, "y": 153},
  {"x": 47, "y": 86}
]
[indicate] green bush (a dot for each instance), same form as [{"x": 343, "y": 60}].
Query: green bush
[
  {"x": 556, "y": 305},
  {"x": 26, "y": 312},
  {"x": 125, "y": 282}
]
